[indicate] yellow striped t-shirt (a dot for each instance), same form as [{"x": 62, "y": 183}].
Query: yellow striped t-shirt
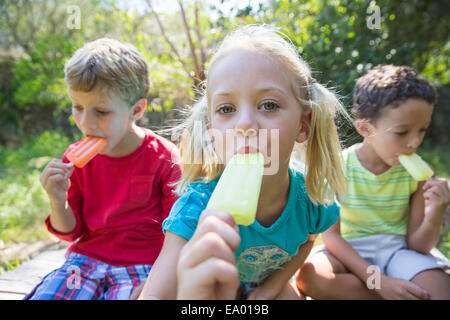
[{"x": 375, "y": 204}]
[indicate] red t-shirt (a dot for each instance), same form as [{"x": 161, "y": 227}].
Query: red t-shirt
[{"x": 120, "y": 203}]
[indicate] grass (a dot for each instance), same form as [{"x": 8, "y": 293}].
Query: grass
[
  {"x": 24, "y": 204},
  {"x": 9, "y": 265}
]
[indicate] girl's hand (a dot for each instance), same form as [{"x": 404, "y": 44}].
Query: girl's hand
[
  {"x": 288, "y": 291},
  {"x": 399, "y": 289},
  {"x": 437, "y": 199},
  {"x": 263, "y": 293},
  {"x": 207, "y": 265},
  {"x": 55, "y": 180}
]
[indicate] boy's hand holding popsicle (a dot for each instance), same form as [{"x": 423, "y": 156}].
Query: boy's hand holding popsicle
[
  {"x": 55, "y": 180},
  {"x": 436, "y": 190},
  {"x": 55, "y": 177},
  {"x": 437, "y": 199}
]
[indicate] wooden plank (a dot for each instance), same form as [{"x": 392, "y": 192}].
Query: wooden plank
[
  {"x": 11, "y": 296},
  {"x": 23, "y": 251},
  {"x": 22, "y": 280},
  {"x": 16, "y": 287}
]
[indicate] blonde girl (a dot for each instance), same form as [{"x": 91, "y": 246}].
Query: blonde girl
[{"x": 256, "y": 83}]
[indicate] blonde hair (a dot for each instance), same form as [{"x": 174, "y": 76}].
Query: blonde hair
[
  {"x": 321, "y": 153},
  {"x": 109, "y": 64}
]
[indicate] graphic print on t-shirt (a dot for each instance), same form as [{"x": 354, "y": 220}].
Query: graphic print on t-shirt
[{"x": 257, "y": 263}]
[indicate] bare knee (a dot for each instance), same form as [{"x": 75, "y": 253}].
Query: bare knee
[
  {"x": 436, "y": 282},
  {"x": 290, "y": 292},
  {"x": 308, "y": 280}
]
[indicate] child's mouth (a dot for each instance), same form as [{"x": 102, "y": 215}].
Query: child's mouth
[
  {"x": 93, "y": 136},
  {"x": 247, "y": 149}
]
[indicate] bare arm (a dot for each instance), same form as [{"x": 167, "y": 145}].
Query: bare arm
[
  {"x": 342, "y": 250},
  {"x": 62, "y": 218},
  {"x": 55, "y": 180},
  {"x": 273, "y": 285},
  {"x": 162, "y": 280},
  {"x": 428, "y": 205}
]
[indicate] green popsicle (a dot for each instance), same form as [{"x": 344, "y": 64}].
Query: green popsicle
[
  {"x": 237, "y": 191},
  {"x": 416, "y": 167}
]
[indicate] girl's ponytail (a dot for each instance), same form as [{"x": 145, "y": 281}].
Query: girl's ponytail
[
  {"x": 198, "y": 158},
  {"x": 325, "y": 177}
]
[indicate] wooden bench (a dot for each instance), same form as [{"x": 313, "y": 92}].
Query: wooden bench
[{"x": 15, "y": 284}]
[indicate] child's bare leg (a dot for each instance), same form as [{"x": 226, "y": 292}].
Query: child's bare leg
[
  {"x": 436, "y": 282},
  {"x": 137, "y": 292},
  {"x": 290, "y": 292},
  {"x": 324, "y": 277}
]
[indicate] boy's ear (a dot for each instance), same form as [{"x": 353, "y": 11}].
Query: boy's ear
[
  {"x": 363, "y": 127},
  {"x": 138, "y": 109},
  {"x": 305, "y": 128}
]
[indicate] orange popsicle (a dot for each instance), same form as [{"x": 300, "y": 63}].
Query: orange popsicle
[{"x": 86, "y": 150}]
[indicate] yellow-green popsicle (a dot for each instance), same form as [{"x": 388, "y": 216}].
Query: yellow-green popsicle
[
  {"x": 416, "y": 167},
  {"x": 237, "y": 191}
]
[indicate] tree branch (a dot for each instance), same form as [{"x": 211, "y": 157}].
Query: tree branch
[
  {"x": 200, "y": 41},
  {"x": 172, "y": 46},
  {"x": 191, "y": 45}
]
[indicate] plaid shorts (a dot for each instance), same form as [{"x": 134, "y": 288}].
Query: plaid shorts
[{"x": 84, "y": 278}]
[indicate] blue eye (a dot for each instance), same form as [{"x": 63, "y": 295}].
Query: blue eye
[
  {"x": 225, "y": 109},
  {"x": 269, "y": 106},
  {"x": 250, "y": 258}
]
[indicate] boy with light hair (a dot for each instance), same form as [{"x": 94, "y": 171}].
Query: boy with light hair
[{"x": 112, "y": 208}]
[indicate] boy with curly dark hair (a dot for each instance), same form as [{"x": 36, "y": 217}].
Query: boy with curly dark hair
[{"x": 380, "y": 246}]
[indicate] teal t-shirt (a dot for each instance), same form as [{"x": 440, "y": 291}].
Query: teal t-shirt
[{"x": 262, "y": 249}]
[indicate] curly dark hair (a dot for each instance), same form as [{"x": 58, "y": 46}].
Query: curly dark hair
[{"x": 388, "y": 85}]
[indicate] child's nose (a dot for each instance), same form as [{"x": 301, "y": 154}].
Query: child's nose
[
  {"x": 415, "y": 142},
  {"x": 87, "y": 122},
  {"x": 247, "y": 124}
]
